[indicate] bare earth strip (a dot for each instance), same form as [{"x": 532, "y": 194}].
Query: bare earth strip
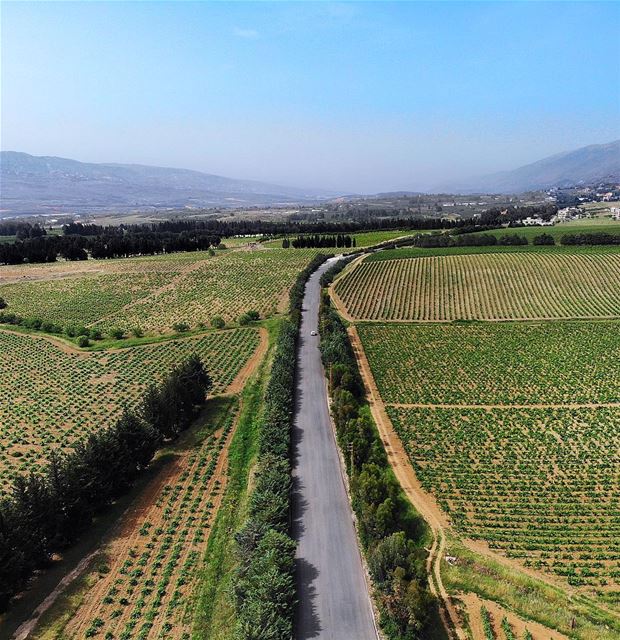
[
  {"x": 250, "y": 366},
  {"x": 423, "y": 503},
  {"x": 474, "y": 603}
]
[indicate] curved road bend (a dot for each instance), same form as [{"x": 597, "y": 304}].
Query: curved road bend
[{"x": 333, "y": 596}]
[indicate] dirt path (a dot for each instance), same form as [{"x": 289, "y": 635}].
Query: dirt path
[
  {"x": 423, "y": 503},
  {"x": 250, "y": 366},
  {"x": 64, "y": 346}
]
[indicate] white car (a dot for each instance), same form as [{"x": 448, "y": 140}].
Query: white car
[{"x": 313, "y": 333}]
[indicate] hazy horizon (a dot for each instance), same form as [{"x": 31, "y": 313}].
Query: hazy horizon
[{"x": 350, "y": 97}]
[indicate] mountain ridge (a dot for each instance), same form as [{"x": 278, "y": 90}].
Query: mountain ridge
[
  {"x": 36, "y": 184},
  {"x": 589, "y": 164}
]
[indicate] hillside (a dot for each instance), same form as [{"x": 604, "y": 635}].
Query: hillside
[
  {"x": 38, "y": 184},
  {"x": 594, "y": 163}
]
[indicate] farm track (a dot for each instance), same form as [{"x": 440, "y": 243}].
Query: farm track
[
  {"x": 250, "y": 366},
  {"x": 422, "y": 502}
]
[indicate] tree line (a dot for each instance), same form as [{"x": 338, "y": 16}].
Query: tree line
[
  {"x": 599, "y": 238},
  {"x": 482, "y": 240},
  {"x": 80, "y": 247},
  {"x": 46, "y": 512},
  {"x": 319, "y": 241},
  {"x": 391, "y": 532},
  {"x": 22, "y": 230},
  {"x": 264, "y": 585}
]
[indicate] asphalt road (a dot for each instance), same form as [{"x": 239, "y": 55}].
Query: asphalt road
[{"x": 334, "y": 602}]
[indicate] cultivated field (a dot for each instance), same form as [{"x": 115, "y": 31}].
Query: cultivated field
[
  {"x": 144, "y": 581},
  {"x": 52, "y": 395},
  {"x": 495, "y": 363},
  {"x": 494, "y": 286},
  {"x": 539, "y": 484},
  {"x": 515, "y": 429},
  {"x": 153, "y": 293}
]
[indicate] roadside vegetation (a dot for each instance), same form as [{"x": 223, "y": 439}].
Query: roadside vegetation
[{"x": 392, "y": 534}]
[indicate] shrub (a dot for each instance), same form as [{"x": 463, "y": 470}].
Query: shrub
[
  {"x": 543, "y": 239},
  {"x": 244, "y": 319},
  {"x": 83, "y": 341},
  {"x": 180, "y": 327},
  {"x": 32, "y": 323},
  {"x": 218, "y": 322},
  {"x": 117, "y": 334},
  {"x": 253, "y": 315},
  {"x": 3, "y": 303},
  {"x": 137, "y": 332}
]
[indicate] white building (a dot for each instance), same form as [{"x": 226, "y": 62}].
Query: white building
[{"x": 532, "y": 222}]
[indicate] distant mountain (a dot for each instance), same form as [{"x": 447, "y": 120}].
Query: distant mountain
[
  {"x": 39, "y": 184},
  {"x": 595, "y": 163}
]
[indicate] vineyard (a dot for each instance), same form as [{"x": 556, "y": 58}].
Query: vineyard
[
  {"x": 153, "y": 293},
  {"x": 52, "y": 396},
  {"x": 515, "y": 429},
  {"x": 539, "y": 484},
  {"x": 492, "y": 286},
  {"x": 493, "y": 363},
  {"x": 144, "y": 584}
]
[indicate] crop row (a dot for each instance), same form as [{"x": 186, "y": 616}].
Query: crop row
[
  {"x": 154, "y": 293},
  {"x": 539, "y": 484},
  {"x": 491, "y": 363},
  {"x": 499, "y": 286},
  {"x": 51, "y": 397},
  {"x": 149, "y": 574}
]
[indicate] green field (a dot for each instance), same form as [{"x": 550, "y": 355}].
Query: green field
[
  {"x": 362, "y": 240},
  {"x": 514, "y": 427},
  {"x": 153, "y": 293},
  {"x": 52, "y": 396},
  {"x": 492, "y": 363},
  {"x": 538, "y": 484},
  {"x": 419, "y": 252},
  {"x": 596, "y": 225},
  {"x": 495, "y": 286}
]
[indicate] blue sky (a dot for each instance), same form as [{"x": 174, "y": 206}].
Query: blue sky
[{"x": 359, "y": 97}]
